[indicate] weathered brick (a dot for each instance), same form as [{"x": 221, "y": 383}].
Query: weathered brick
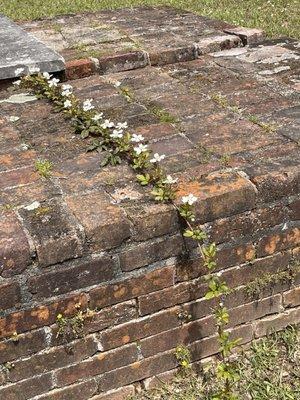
[
  {"x": 52, "y": 359},
  {"x": 54, "y": 232},
  {"x": 119, "y": 394},
  {"x": 10, "y": 295},
  {"x": 76, "y": 69},
  {"x": 160, "y": 379},
  {"x": 137, "y": 371},
  {"x": 171, "y": 56},
  {"x": 28, "y": 343},
  {"x": 247, "y": 35},
  {"x": 18, "y": 177},
  {"x": 123, "y": 62},
  {"x": 140, "y": 328},
  {"x": 25, "y": 320},
  {"x": 27, "y": 389},
  {"x": 295, "y": 209},
  {"x": 216, "y": 43},
  {"x": 82, "y": 391},
  {"x": 292, "y": 298},
  {"x": 210, "y": 346},
  {"x": 185, "y": 334},
  {"x": 276, "y": 185},
  {"x": 132, "y": 287},
  {"x": 97, "y": 365},
  {"x": 278, "y": 241},
  {"x": 62, "y": 280},
  {"x": 220, "y": 195},
  {"x": 148, "y": 253},
  {"x": 276, "y": 323},
  {"x": 14, "y": 247},
  {"x": 227, "y": 256},
  {"x": 178, "y": 294},
  {"x": 105, "y": 224},
  {"x": 152, "y": 220}
]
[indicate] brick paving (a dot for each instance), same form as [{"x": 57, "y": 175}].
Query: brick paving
[{"x": 227, "y": 119}]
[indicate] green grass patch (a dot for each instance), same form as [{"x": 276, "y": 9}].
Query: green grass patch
[
  {"x": 269, "y": 370},
  {"x": 277, "y": 17}
]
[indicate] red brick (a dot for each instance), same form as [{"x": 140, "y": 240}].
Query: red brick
[
  {"x": 278, "y": 241},
  {"x": 219, "y": 195},
  {"x": 27, "y": 389},
  {"x": 132, "y": 287},
  {"x": 105, "y": 224},
  {"x": 10, "y": 295},
  {"x": 62, "y": 280},
  {"x": 140, "y": 328},
  {"x": 14, "y": 247},
  {"x": 147, "y": 253},
  {"x": 292, "y": 298},
  {"x": 97, "y": 365},
  {"x": 26, "y": 320},
  {"x": 82, "y": 391},
  {"x": 76, "y": 69},
  {"x": 54, "y": 358},
  {"x": 26, "y": 344},
  {"x": 277, "y": 322}
]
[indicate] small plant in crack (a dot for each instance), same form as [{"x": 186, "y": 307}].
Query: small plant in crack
[{"x": 44, "y": 168}]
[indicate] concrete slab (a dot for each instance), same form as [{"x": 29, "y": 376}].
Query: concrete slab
[{"x": 21, "y": 52}]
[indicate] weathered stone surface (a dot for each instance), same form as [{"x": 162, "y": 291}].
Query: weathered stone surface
[{"x": 20, "y": 50}]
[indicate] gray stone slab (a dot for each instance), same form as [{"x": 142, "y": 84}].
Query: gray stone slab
[{"x": 21, "y": 50}]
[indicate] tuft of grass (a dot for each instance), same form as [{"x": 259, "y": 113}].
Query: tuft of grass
[
  {"x": 44, "y": 168},
  {"x": 163, "y": 115},
  {"x": 276, "y": 17}
]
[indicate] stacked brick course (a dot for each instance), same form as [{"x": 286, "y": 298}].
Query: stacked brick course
[{"x": 98, "y": 240}]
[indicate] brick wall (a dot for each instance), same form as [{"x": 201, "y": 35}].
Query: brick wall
[{"x": 146, "y": 289}]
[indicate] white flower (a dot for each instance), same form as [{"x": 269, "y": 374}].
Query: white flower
[
  {"x": 123, "y": 125},
  {"x": 87, "y": 105},
  {"x": 141, "y": 148},
  {"x": 117, "y": 134},
  {"x": 107, "y": 124},
  {"x": 137, "y": 138},
  {"x": 190, "y": 199},
  {"x": 66, "y": 87},
  {"x": 13, "y": 118},
  {"x": 53, "y": 82},
  {"x": 117, "y": 84},
  {"x": 169, "y": 180},
  {"x": 157, "y": 158},
  {"x": 17, "y": 83},
  {"x": 46, "y": 75},
  {"x": 19, "y": 71},
  {"x": 34, "y": 70},
  {"x": 66, "y": 93},
  {"x": 67, "y": 104},
  {"x": 97, "y": 117}
]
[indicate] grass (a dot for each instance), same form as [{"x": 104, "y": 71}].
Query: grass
[
  {"x": 277, "y": 17},
  {"x": 269, "y": 370}
]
